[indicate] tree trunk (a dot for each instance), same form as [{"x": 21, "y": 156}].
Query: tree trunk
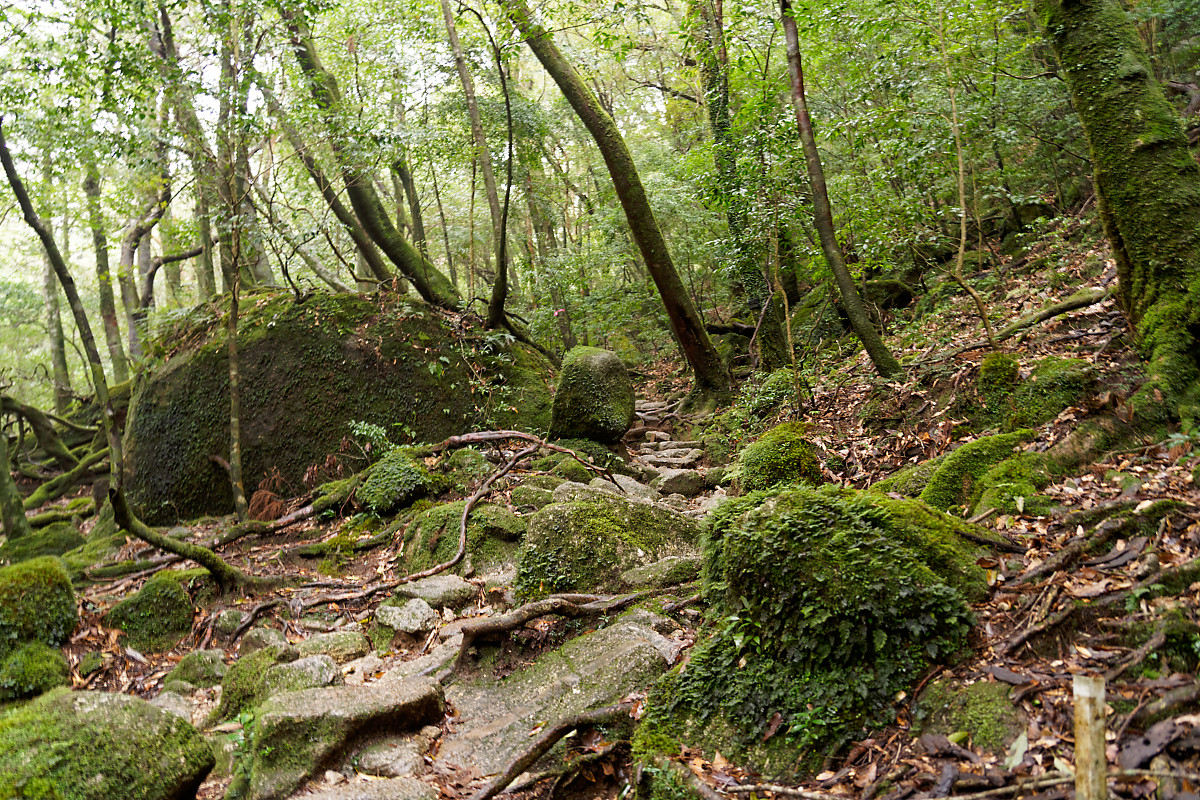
[
  {"x": 108, "y": 303},
  {"x": 235, "y": 410},
  {"x": 12, "y": 511},
  {"x": 429, "y": 283},
  {"x": 1147, "y": 188},
  {"x": 885, "y": 363},
  {"x": 773, "y": 347},
  {"x": 712, "y": 376},
  {"x": 437, "y": 195},
  {"x": 484, "y": 157}
]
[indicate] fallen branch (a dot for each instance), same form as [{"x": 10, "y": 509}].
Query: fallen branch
[
  {"x": 545, "y": 741},
  {"x": 1156, "y": 640},
  {"x": 562, "y": 605},
  {"x": 1073, "y": 303},
  {"x": 790, "y": 791}
]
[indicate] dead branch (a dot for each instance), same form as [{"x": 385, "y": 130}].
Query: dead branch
[
  {"x": 545, "y": 741},
  {"x": 1166, "y": 705},
  {"x": 789, "y": 791}
]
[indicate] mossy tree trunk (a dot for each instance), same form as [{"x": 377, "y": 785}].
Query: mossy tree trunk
[
  {"x": 12, "y": 511},
  {"x": 1147, "y": 188},
  {"x": 885, "y": 363},
  {"x": 711, "y": 374},
  {"x": 235, "y": 409}
]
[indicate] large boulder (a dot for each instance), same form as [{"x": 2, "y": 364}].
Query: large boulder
[
  {"x": 585, "y": 545},
  {"x": 99, "y": 745},
  {"x": 594, "y": 399},
  {"x": 828, "y": 603},
  {"x": 307, "y": 370}
]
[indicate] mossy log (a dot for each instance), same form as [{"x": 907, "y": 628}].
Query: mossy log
[{"x": 57, "y": 487}]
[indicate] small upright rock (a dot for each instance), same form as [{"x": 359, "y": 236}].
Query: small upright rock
[
  {"x": 594, "y": 398},
  {"x": 415, "y": 616}
]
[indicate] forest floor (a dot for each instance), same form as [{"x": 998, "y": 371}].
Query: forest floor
[{"x": 1031, "y": 635}]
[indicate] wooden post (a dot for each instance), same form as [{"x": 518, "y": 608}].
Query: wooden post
[{"x": 1091, "y": 765}]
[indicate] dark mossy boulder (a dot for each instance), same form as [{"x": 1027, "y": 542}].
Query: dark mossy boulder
[
  {"x": 594, "y": 399},
  {"x": 98, "y": 746},
  {"x": 397, "y": 481},
  {"x": 781, "y": 455},
  {"x": 307, "y": 371},
  {"x": 31, "y": 669},
  {"x": 492, "y": 532},
  {"x": 953, "y": 482},
  {"x": 888, "y": 293},
  {"x": 37, "y": 604},
  {"x": 585, "y": 546},
  {"x": 52, "y": 540},
  {"x": 828, "y": 602},
  {"x": 157, "y": 617}
]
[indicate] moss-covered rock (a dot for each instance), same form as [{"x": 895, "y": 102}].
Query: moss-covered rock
[
  {"x": 97, "y": 746},
  {"x": 954, "y": 480},
  {"x": 398, "y": 480},
  {"x": 31, "y": 669},
  {"x": 781, "y": 455},
  {"x": 584, "y": 546},
  {"x": 199, "y": 668},
  {"x": 911, "y": 480},
  {"x": 465, "y": 468},
  {"x": 307, "y": 371},
  {"x": 244, "y": 685},
  {"x": 157, "y": 617},
  {"x": 432, "y": 537},
  {"x": 1054, "y": 384},
  {"x": 829, "y": 602},
  {"x": 594, "y": 399},
  {"x": 52, "y": 540},
  {"x": 1020, "y": 476},
  {"x": 999, "y": 376},
  {"x": 980, "y": 709},
  {"x": 37, "y": 604}
]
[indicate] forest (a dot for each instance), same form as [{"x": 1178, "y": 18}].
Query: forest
[{"x": 657, "y": 399}]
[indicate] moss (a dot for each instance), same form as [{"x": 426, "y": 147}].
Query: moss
[
  {"x": 32, "y": 669},
  {"x": 244, "y": 685},
  {"x": 523, "y": 496},
  {"x": 999, "y": 376},
  {"x": 571, "y": 470},
  {"x": 93, "y": 746},
  {"x": 954, "y": 480},
  {"x": 157, "y": 617},
  {"x": 102, "y": 543},
  {"x": 981, "y": 709},
  {"x": 37, "y": 604},
  {"x": 1055, "y": 384},
  {"x": 911, "y": 480},
  {"x": 466, "y": 468},
  {"x": 432, "y": 537},
  {"x": 594, "y": 399},
  {"x": 585, "y": 545},
  {"x": 396, "y": 481},
  {"x": 90, "y": 662},
  {"x": 308, "y": 370},
  {"x": 781, "y": 455},
  {"x": 1022, "y": 475},
  {"x": 829, "y": 602},
  {"x": 52, "y": 540},
  {"x": 199, "y": 668}
]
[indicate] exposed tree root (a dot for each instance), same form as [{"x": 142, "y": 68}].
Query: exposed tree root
[
  {"x": 545, "y": 741},
  {"x": 468, "y": 439},
  {"x": 1072, "y": 303},
  {"x": 57, "y": 487},
  {"x": 1103, "y": 534}
]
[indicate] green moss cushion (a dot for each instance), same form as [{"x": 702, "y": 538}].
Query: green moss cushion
[
  {"x": 781, "y": 455},
  {"x": 37, "y": 604}
]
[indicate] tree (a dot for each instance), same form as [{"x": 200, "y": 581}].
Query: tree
[
  {"x": 712, "y": 381},
  {"x": 1147, "y": 186},
  {"x": 885, "y": 363}
]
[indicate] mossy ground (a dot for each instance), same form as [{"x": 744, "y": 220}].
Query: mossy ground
[
  {"x": 982, "y": 709},
  {"x": 52, "y": 540},
  {"x": 954, "y": 480},
  {"x": 829, "y": 601}
]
